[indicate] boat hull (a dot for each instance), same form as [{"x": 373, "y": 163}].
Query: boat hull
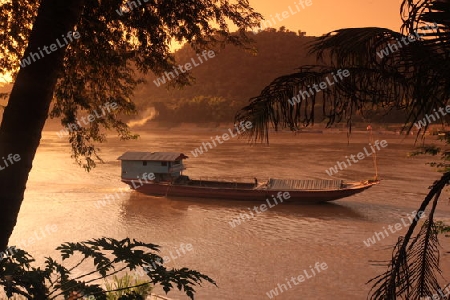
[{"x": 243, "y": 192}]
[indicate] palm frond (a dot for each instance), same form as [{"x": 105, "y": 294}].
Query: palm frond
[
  {"x": 414, "y": 268},
  {"x": 410, "y": 77},
  {"x": 354, "y": 46},
  {"x": 425, "y": 265}
]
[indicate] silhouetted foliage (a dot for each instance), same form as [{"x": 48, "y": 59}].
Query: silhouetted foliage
[
  {"x": 103, "y": 65},
  {"x": 414, "y": 78},
  {"x": 18, "y": 276}
]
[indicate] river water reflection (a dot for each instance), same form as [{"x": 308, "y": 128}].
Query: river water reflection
[{"x": 249, "y": 260}]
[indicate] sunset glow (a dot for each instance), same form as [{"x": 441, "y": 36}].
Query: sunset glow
[{"x": 325, "y": 16}]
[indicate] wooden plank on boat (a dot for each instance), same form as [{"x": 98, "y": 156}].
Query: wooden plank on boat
[{"x": 304, "y": 184}]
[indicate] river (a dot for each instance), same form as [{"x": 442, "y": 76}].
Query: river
[{"x": 261, "y": 254}]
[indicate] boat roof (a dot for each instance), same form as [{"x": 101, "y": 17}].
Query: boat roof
[
  {"x": 152, "y": 156},
  {"x": 304, "y": 184}
]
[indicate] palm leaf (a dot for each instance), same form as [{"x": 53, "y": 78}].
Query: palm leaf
[
  {"x": 414, "y": 268},
  {"x": 412, "y": 78}
]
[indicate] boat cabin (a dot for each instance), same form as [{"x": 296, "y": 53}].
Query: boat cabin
[{"x": 164, "y": 166}]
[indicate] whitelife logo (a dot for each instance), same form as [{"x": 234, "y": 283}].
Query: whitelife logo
[
  {"x": 243, "y": 127},
  {"x": 106, "y": 108},
  {"x": 360, "y": 156},
  {"x": 130, "y": 6},
  {"x": 244, "y": 216},
  {"x": 11, "y": 159},
  {"x": 8, "y": 252},
  {"x": 322, "y": 85},
  {"x": 53, "y": 47},
  {"x": 427, "y": 120},
  {"x": 439, "y": 295},
  {"x": 391, "y": 48},
  {"x": 187, "y": 67},
  {"x": 165, "y": 259},
  {"x": 112, "y": 197},
  {"x": 300, "y": 278},
  {"x": 397, "y": 227},
  {"x": 44, "y": 232},
  {"x": 283, "y": 16}
]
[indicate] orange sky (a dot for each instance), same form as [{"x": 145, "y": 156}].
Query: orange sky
[{"x": 323, "y": 16}]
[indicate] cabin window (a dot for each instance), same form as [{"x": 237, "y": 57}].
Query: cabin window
[
  {"x": 144, "y": 163},
  {"x": 164, "y": 163}
]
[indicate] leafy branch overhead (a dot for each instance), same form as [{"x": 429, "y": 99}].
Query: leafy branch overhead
[
  {"x": 109, "y": 257},
  {"x": 413, "y": 77},
  {"x": 103, "y": 65},
  {"x": 443, "y": 164}
]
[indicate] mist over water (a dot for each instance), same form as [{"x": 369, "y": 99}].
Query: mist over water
[
  {"x": 143, "y": 117},
  {"x": 251, "y": 259}
]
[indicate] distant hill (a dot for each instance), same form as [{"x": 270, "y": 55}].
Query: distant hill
[{"x": 224, "y": 83}]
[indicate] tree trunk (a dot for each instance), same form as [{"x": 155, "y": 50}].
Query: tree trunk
[{"x": 28, "y": 106}]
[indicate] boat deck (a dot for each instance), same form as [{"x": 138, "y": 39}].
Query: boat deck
[
  {"x": 304, "y": 184},
  {"x": 220, "y": 184}
]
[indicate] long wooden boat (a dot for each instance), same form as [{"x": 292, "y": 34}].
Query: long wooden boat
[
  {"x": 305, "y": 191},
  {"x": 160, "y": 174}
]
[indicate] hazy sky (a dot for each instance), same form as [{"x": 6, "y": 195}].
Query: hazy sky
[{"x": 323, "y": 16}]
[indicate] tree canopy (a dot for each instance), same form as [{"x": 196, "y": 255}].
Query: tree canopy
[
  {"x": 117, "y": 44},
  {"x": 80, "y": 55}
]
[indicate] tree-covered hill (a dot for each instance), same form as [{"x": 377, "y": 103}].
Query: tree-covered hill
[{"x": 225, "y": 82}]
